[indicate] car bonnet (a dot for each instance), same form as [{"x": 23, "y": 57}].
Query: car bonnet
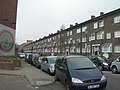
[{"x": 86, "y": 74}]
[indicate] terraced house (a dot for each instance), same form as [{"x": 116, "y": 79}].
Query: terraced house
[{"x": 100, "y": 35}]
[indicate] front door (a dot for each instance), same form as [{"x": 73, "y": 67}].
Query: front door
[{"x": 96, "y": 50}]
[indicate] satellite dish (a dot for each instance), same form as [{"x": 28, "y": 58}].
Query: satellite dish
[{"x": 106, "y": 55}]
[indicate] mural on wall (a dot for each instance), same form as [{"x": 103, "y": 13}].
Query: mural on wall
[{"x": 7, "y": 38}]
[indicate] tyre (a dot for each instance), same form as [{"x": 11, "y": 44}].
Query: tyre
[
  {"x": 49, "y": 71},
  {"x": 67, "y": 86},
  {"x": 114, "y": 70}
]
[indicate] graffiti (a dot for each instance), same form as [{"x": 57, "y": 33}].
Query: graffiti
[{"x": 6, "y": 41}]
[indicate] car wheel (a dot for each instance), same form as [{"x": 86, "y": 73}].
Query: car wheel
[
  {"x": 100, "y": 67},
  {"x": 114, "y": 70},
  {"x": 49, "y": 71},
  {"x": 67, "y": 86}
]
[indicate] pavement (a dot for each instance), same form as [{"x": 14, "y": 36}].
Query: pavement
[{"x": 35, "y": 76}]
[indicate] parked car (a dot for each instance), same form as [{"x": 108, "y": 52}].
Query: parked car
[
  {"x": 101, "y": 62},
  {"x": 115, "y": 66},
  {"x": 21, "y": 55},
  {"x": 79, "y": 73},
  {"x": 38, "y": 61},
  {"x": 27, "y": 56},
  {"x": 32, "y": 57},
  {"x": 48, "y": 64}
]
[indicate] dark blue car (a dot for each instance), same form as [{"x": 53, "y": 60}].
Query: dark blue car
[{"x": 79, "y": 73}]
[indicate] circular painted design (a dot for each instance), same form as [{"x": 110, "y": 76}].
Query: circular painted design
[{"x": 6, "y": 41}]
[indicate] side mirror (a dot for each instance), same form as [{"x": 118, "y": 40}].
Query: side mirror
[{"x": 63, "y": 68}]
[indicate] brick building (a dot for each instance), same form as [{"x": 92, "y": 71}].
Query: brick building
[
  {"x": 100, "y": 35},
  {"x": 8, "y": 13}
]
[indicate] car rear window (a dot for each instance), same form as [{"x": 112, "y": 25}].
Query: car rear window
[{"x": 52, "y": 60}]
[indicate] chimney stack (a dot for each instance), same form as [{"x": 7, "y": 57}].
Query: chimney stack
[
  {"x": 92, "y": 16},
  {"x": 101, "y": 13},
  {"x": 71, "y": 25}
]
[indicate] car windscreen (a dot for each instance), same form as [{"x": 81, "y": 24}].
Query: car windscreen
[
  {"x": 100, "y": 58},
  {"x": 52, "y": 60},
  {"x": 80, "y": 63}
]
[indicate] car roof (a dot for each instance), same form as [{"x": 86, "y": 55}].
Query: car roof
[
  {"x": 73, "y": 56},
  {"x": 50, "y": 56}
]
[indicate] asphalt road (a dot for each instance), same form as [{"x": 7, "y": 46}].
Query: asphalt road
[
  {"x": 20, "y": 83},
  {"x": 113, "y": 83}
]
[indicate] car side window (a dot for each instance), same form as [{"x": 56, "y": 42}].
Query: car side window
[
  {"x": 45, "y": 60},
  {"x": 63, "y": 64},
  {"x": 59, "y": 61}
]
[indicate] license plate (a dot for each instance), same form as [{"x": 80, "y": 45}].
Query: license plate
[{"x": 93, "y": 86}]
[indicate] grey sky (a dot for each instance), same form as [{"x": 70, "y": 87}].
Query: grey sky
[{"x": 38, "y": 18}]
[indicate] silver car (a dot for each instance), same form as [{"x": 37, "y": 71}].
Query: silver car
[
  {"x": 115, "y": 66},
  {"x": 48, "y": 64}
]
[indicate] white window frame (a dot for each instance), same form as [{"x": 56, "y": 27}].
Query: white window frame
[
  {"x": 84, "y": 28},
  {"x": 78, "y": 30},
  {"x": 117, "y": 49},
  {"x": 95, "y": 25},
  {"x": 83, "y": 50},
  {"x": 78, "y": 50},
  {"x": 84, "y": 39},
  {"x": 93, "y": 36},
  {"x": 100, "y": 35},
  {"x": 101, "y": 23},
  {"x": 70, "y": 32},
  {"x": 88, "y": 48},
  {"x": 117, "y": 19},
  {"x": 107, "y": 47},
  {"x": 116, "y": 34},
  {"x": 108, "y": 35}
]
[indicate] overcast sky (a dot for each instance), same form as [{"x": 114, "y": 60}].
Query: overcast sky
[{"x": 38, "y": 18}]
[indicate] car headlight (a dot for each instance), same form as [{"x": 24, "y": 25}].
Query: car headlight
[
  {"x": 103, "y": 78},
  {"x": 105, "y": 64},
  {"x": 76, "y": 80}
]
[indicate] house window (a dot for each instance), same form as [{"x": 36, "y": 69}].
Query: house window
[
  {"x": 73, "y": 41},
  {"x": 83, "y": 50},
  {"x": 108, "y": 35},
  {"x": 101, "y": 23},
  {"x": 90, "y": 38},
  {"x": 93, "y": 36},
  {"x": 84, "y": 28},
  {"x": 107, "y": 47},
  {"x": 72, "y": 49},
  {"x": 84, "y": 39},
  {"x": 95, "y": 25},
  {"x": 70, "y": 32},
  {"x": 100, "y": 35},
  {"x": 70, "y": 41},
  {"x": 117, "y": 19},
  {"x": 78, "y": 50},
  {"x": 58, "y": 36},
  {"x": 78, "y": 30},
  {"x": 88, "y": 49},
  {"x": 117, "y": 49},
  {"x": 116, "y": 34}
]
